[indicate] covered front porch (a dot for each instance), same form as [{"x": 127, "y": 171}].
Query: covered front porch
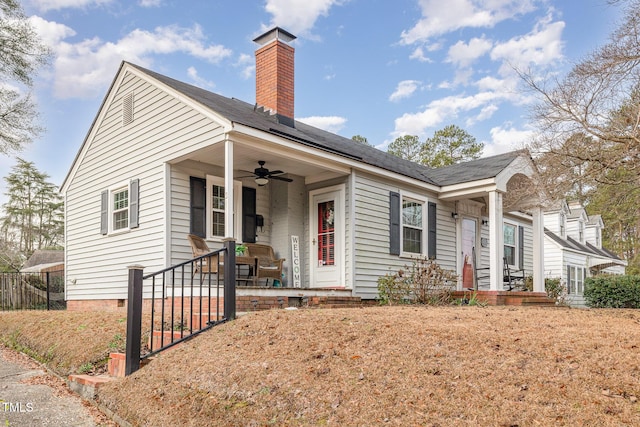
[{"x": 267, "y": 194}]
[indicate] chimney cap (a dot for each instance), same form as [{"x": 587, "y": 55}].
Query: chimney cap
[{"x": 275, "y": 33}]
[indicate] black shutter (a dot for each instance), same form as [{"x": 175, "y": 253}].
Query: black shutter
[
  {"x": 248, "y": 215},
  {"x": 569, "y": 290},
  {"x": 431, "y": 240},
  {"x": 134, "y": 204},
  {"x": 104, "y": 212},
  {"x": 394, "y": 223},
  {"x": 198, "y": 206},
  {"x": 521, "y": 247}
]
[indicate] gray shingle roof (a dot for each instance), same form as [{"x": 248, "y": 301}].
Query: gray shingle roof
[
  {"x": 42, "y": 256},
  {"x": 247, "y": 114},
  {"x": 588, "y": 248}
]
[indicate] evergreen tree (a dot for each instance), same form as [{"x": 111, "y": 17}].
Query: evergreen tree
[
  {"x": 33, "y": 214},
  {"x": 407, "y": 147},
  {"x": 449, "y": 146}
]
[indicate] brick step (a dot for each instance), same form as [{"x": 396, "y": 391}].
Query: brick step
[{"x": 87, "y": 385}]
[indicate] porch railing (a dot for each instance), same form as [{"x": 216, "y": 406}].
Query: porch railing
[
  {"x": 183, "y": 301},
  {"x": 32, "y": 291}
]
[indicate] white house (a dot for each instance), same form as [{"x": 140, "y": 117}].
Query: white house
[
  {"x": 573, "y": 249},
  {"x": 163, "y": 159}
]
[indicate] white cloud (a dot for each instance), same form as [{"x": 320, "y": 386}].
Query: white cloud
[
  {"x": 405, "y": 89},
  {"x": 442, "y": 17},
  {"x": 297, "y": 16},
  {"x": 247, "y": 64},
  {"x": 329, "y": 123},
  {"x": 464, "y": 54},
  {"x": 50, "y": 32},
  {"x": 418, "y": 54},
  {"x": 46, "y": 5},
  {"x": 150, "y": 3},
  {"x": 199, "y": 81},
  {"x": 505, "y": 139},
  {"x": 84, "y": 69},
  {"x": 445, "y": 108},
  {"x": 541, "y": 47}
]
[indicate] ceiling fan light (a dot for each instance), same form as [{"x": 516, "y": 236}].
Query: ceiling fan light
[{"x": 261, "y": 180}]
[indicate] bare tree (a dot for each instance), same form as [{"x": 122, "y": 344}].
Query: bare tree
[
  {"x": 599, "y": 99},
  {"x": 21, "y": 54}
]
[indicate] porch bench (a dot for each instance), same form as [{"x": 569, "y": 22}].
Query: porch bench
[{"x": 269, "y": 267}]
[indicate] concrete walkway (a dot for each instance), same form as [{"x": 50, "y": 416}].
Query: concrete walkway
[{"x": 29, "y": 396}]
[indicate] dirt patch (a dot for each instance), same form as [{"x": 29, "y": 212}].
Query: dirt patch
[{"x": 396, "y": 366}]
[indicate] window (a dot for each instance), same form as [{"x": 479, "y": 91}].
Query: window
[
  {"x": 217, "y": 210},
  {"x": 215, "y": 207},
  {"x": 575, "y": 279},
  {"x": 562, "y": 224},
  {"x": 510, "y": 244},
  {"x": 119, "y": 208},
  {"x": 581, "y": 231},
  {"x": 412, "y": 226}
]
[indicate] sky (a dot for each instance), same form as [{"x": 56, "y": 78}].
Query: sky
[{"x": 375, "y": 68}]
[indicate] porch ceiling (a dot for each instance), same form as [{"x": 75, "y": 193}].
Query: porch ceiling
[{"x": 246, "y": 157}]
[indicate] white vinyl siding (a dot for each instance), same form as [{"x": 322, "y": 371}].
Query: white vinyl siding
[
  {"x": 163, "y": 129},
  {"x": 372, "y": 234}
]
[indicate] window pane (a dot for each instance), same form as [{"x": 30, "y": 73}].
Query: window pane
[
  {"x": 218, "y": 224},
  {"x": 411, "y": 240},
  {"x": 509, "y": 234},
  {"x": 510, "y": 255},
  {"x": 218, "y": 197},
  {"x": 121, "y": 200},
  {"x": 121, "y": 219},
  {"x": 412, "y": 214}
]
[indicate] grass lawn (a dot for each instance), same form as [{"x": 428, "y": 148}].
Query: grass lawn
[{"x": 443, "y": 366}]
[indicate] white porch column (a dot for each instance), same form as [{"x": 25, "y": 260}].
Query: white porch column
[
  {"x": 496, "y": 241},
  {"x": 228, "y": 189},
  {"x": 538, "y": 250}
]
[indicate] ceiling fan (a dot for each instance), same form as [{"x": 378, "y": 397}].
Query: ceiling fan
[{"x": 263, "y": 175}]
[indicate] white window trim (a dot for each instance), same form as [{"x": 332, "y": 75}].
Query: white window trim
[
  {"x": 424, "y": 201},
  {"x": 237, "y": 209},
  {"x": 577, "y": 289},
  {"x": 112, "y": 191},
  {"x": 516, "y": 253}
]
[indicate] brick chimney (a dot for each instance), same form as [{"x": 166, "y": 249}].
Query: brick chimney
[{"x": 274, "y": 74}]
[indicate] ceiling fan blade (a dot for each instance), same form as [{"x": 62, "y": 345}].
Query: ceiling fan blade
[
  {"x": 243, "y": 177},
  {"x": 280, "y": 178},
  {"x": 278, "y": 172}
]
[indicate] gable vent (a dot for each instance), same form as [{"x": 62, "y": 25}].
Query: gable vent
[{"x": 127, "y": 109}]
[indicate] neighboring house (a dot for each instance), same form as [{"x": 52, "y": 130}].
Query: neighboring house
[
  {"x": 163, "y": 159},
  {"x": 42, "y": 261},
  {"x": 573, "y": 249}
]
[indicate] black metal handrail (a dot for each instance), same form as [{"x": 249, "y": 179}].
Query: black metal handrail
[{"x": 180, "y": 302}]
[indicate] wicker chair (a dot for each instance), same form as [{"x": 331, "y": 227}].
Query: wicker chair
[
  {"x": 208, "y": 265},
  {"x": 268, "y": 266}
]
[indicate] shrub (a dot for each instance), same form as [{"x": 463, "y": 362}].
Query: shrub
[
  {"x": 424, "y": 282},
  {"x": 554, "y": 288},
  {"x": 613, "y": 291}
]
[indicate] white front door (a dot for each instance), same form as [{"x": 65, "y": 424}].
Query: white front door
[{"x": 327, "y": 237}]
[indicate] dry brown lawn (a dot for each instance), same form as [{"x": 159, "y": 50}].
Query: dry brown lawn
[{"x": 405, "y": 366}]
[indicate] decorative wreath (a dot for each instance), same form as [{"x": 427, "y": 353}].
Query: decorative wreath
[{"x": 328, "y": 216}]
